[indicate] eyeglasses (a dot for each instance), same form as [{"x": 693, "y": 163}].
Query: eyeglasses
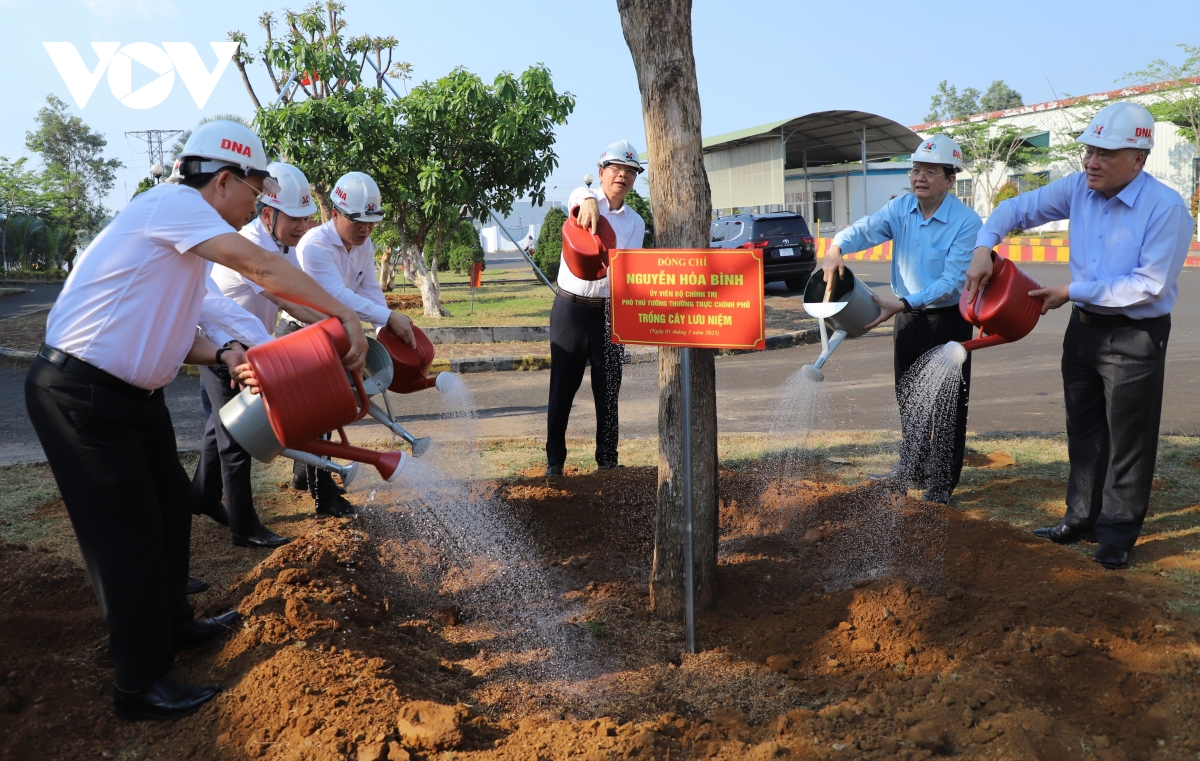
[
  {"x": 928, "y": 173},
  {"x": 628, "y": 171},
  {"x": 258, "y": 194}
]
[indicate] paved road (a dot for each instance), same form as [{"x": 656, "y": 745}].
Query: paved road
[
  {"x": 39, "y": 297},
  {"x": 1016, "y": 387}
]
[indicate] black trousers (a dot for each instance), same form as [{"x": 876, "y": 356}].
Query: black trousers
[
  {"x": 224, "y": 467},
  {"x": 579, "y": 334},
  {"x": 924, "y": 454},
  {"x": 112, "y": 450},
  {"x": 1113, "y": 384}
]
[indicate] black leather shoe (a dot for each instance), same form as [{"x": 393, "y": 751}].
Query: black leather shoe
[
  {"x": 165, "y": 700},
  {"x": 203, "y": 631},
  {"x": 1112, "y": 557},
  {"x": 263, "y": 539},
  {"x": 196, "y": 586},
  {"x": 216, "y": 512},
  {"x": 335, "y": 505},
  {"x": 553, "y": 470},
  {"x": 1064, "y": 534}
]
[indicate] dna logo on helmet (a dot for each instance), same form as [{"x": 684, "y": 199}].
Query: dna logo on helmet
[
  {"x": 1143, "y": 132},
  {"x": 164, "y": 61},
  {"x": 229, "y": 145}
]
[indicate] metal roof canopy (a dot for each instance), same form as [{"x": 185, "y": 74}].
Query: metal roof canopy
[{"x": 828, "y": 137}]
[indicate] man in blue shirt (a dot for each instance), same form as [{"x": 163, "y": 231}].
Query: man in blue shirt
[
  {"x": 1129, "y": 239},
  {"x": 932, "y": 235}
]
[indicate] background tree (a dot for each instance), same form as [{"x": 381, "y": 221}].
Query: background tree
[
  {"x": 449, "y": 146},
  {"x": 547, "y": 252},
  {"x": 1180, "y": 104},
  {"x": 989, "y": 145},
  {"x": 644, "y": 210},
  {"x": 463, "y": 248},
  {"x": 659, "y": 36},
  {"x": 75, "y": 166},
  {"x": 948, "y": 103}
]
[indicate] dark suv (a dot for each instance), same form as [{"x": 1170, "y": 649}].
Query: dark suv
[{"x": 789, "y": 253}]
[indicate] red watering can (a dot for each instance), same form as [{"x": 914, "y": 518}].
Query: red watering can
[
  {"x": 586, "y": 254},
  {"x": 1003, "y": 309},
  {"x": 305, "y": 392},
  {"x": 410, "y": 366}
]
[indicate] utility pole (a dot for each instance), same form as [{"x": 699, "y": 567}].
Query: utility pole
[{"x": 153, "y": 138}]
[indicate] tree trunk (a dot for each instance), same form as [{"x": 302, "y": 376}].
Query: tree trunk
[
  {"x": 387, "y": 272},
  {"x": 413, "y": 261},
  {"x": 659, "y": 36}
]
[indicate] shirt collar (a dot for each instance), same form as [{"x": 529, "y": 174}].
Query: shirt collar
[
  {"x": 942, "y": 214},
  {"x": 1129, "y": 194}
]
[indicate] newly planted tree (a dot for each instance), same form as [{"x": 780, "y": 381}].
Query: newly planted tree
[{"x": 659, "y": 36}]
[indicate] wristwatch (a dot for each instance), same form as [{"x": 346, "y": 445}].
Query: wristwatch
[
  {"x": 221, "y": 351},
  {"x": 907, "y": 306}
]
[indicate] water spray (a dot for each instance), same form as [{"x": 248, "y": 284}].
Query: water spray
[{"x": 955, "y": 352}]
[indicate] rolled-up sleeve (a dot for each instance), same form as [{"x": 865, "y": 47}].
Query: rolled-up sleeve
[
  {"x": 578, "y": 195},
  {"x": 1037, "y": 207},
  {"x": 866, "y": 232},
  {"x": 1164, "y": 250}
]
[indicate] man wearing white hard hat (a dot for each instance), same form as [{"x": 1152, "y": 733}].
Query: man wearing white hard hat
[
  {"x": 932, "y": 235},
  {"x": 340, "y": 256},
  {"x": 125, "y": 321},
  {"x": 224, "y": 468},
  {"x": 579, "y": 329},
  {"x": 1129, "y": 239}
]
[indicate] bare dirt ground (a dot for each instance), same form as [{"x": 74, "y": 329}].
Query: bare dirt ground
[{"x": 848, "y": 624}]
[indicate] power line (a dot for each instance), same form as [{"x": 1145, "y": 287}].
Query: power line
[{"x": 154, "y": 146}]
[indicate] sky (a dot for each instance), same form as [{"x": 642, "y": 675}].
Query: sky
[{"x": 755, "y": 63}]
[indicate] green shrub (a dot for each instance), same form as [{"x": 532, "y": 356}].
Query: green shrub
[
  {"x": 548, "y": 251},
  {"x": 460, "y": 249}
]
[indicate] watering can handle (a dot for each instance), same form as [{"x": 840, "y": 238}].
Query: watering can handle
[
  {"x": 973, "y": 306},
  {"x": 365, "y": 405}
]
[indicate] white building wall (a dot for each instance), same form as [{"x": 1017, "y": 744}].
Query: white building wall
[
  {"x": 748, "y": 175},
  {"x": 1171, "y": 160}
]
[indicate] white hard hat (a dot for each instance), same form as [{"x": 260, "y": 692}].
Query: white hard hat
[
  {"x": 939, "y": 149},
  {"x": 295, "y": 196},
  {"x": 1120, "y": 125},
  {"x": 621, "y": 152},
  {"x": 219, "y": 144},
  {"x": 357, "y": 196}
]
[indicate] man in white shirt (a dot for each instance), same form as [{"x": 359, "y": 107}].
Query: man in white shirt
[
  {"x": 579, "y": 327},
  {"x": 339, "y": 255},
  {"x": 1129, "y": 240},
  {"x": 125, "y": 320},
  {"x": 244, "y": 313}
]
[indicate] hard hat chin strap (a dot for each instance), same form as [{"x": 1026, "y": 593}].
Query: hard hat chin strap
[{"x": 271, "y": 229}]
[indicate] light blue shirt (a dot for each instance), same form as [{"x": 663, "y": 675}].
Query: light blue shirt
[
  {"x": 1126, "y": 251},
  {"x": 929, "y": 256}
]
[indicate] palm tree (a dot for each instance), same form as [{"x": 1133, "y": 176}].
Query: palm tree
[{"x": 177, "y": 147}]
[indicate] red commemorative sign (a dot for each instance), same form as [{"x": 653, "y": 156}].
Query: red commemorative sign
[{"x": 709, "y": 298}]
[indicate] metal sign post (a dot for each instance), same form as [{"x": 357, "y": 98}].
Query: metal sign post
[{"x": 689, "y": 574}]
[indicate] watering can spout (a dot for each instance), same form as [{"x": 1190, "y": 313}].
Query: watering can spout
[
  {"x": 983, "y": 342},
  {"x": 389, "y": 464}
]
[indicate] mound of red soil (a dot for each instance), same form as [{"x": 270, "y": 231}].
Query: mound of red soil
[{"x": 848, "y": 624}]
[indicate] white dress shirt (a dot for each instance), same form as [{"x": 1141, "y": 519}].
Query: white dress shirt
[
  {"x": 132, "y": 301},
  {"x": 348, "y": 276},
  {"x": 223, "y": 320},
  {"x": 626, "y": 223},
  {"x": 1126, "y": 251},
  {"x": 246, "y": 293}
]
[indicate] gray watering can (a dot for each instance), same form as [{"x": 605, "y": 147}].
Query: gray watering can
[
  {"x": 377, "y": 376},
  {"x": 848, "y": 305},
  {"x": 245, "y": 416}
]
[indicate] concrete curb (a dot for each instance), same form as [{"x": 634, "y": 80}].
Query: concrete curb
[
  {"x": 528, "y": 362},
  {"x": 487, "y": 335}
]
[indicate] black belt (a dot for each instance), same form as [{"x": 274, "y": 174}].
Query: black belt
[
  {"x": 77, "y": 366},
  {"x": 584, "y": 300},
  {"x": 1097, "y": 320},
  {"x": 934, "y": 310}
]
